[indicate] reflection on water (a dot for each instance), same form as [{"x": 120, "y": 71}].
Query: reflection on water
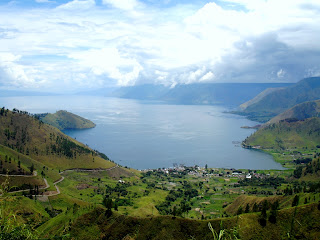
[{"x": 142, "y": 135}]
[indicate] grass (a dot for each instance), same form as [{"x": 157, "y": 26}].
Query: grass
[
  {"x": 29, "y": 136},
  {"x": 66, "y": 120},
  {"x": 164, "y": 227},
  {"x": 78, "y": 209},
  {"x": 145, "y": 205}
]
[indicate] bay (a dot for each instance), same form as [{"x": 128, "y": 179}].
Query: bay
[{"x": 145, "y": 135}]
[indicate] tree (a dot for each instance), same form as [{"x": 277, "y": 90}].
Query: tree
[
  {"x": 274, "y": 212},
  {"x": 295, "y": 201},
  {"x": 298, "y": 172},
  {"x": 247, "y": 208},
  {"x": 32, "y": 168},
  {"x": 263, "y": 216},
  {"x": 255, "y": 207},
  {"x": 107, "y": 202},
  {"x": 239, "y": 210},
  {"x": 174, "y": 210}
]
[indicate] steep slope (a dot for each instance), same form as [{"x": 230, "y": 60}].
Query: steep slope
[
  {"x": 276, "y": 102},
  {"x": 45, "y": 144},
  {"x": 257, "y": 98},
  {"x": 66, "y": 120},
  {"x": 299, "y": 112},
  {"x": 287, "y": 134}
]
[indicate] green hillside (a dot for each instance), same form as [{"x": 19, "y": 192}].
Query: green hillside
[
  {"x": 298, "y": 223},
  {"x": 299, "y": 112},
  {"x": 112, "y": 202},
  {"x": 66, "y": 120},
  {"x": 287, "y": 135},
  {"x": 45, "y": 144},
  {"x": 278, "y": 101}
]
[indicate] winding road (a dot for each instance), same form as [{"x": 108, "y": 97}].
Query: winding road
[{"x": 57, "y": 192}]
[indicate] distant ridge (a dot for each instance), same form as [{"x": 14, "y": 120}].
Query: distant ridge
[
  {"x": 230, "y": 94},
  {"x": 278, "y": 101},
  {"x": 299, "y": 112},
  {"x": 259, "y": 97}
]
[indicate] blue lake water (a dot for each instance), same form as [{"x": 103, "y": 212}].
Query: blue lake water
[{"x": 151, "y": 135}]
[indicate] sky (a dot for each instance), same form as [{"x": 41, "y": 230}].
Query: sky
[{"x": 73, "y": 45}]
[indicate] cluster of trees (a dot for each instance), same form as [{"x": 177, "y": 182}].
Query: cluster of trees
[
  {"x": 169, "y": 208},
  {"x": 263, "y": 207},
  {"x": 119, "y": 193},
  {"x": 261, "y": 192},
  {"x": 311, "y": 167},
  {"x": 267, "y": 181},
  {"x": 63, "y": 146},
  {"x": 273, "y": 212},
  {"x": 10, "y": 166},
  {"x": 3, "y": 111},
  {"x": 119, "y": 190},
  {"x": 109, "y": 204}
]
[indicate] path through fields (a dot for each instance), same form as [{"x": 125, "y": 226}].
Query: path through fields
[{"x": 45, "y": 195}]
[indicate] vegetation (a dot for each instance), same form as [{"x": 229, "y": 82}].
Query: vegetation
[
  {"x": 30, "y": 137},
  {"x": 287, "y": 135},
  {"x": 96, "y": 199},
  {"x": 276, "y": 102},
  {"x": 299, "y": 112},
  {"x": 65, "y": 120}
]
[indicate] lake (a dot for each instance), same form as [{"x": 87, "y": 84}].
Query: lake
[{"x": 146, "y": 135}]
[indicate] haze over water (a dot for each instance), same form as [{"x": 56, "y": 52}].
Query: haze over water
[{"x": 151, "y": 135}]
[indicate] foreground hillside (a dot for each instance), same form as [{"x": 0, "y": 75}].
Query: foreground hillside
[
  {"x": 45, "y": 144},
  {"x": 94, "y": 201},
  {"x": 275, "y": 102},
  {"x": 297, "y": 223}
]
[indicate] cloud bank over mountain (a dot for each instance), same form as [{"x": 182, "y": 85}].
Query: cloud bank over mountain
[{"x": 65, "y": 45}]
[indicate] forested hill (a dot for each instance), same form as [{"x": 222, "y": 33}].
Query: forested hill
[
  {"x": 66, "y": 120},
  {"x": 29, "y": 136},
  {"x": 276, "y": 102}
]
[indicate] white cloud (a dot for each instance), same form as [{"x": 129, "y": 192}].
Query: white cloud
[
  {"x": 78, "y": 5},
  {"x": 127, "y": 42},
  {"x": 110, "y": 62},
  {"x": 12, "y": 73},
  {"x": 207, "y": 77},
  {"x": 44, "y": 1},
  {"x": 122, "y": 4},
  {"x": 281, "y": 73}
]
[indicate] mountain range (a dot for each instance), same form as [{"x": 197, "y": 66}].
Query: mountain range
[
  {"x": 273, "y": 102},
  {"x": 229, "y": 94}
]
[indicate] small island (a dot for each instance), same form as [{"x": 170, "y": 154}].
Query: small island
[{"x": 65, "y": 120}]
